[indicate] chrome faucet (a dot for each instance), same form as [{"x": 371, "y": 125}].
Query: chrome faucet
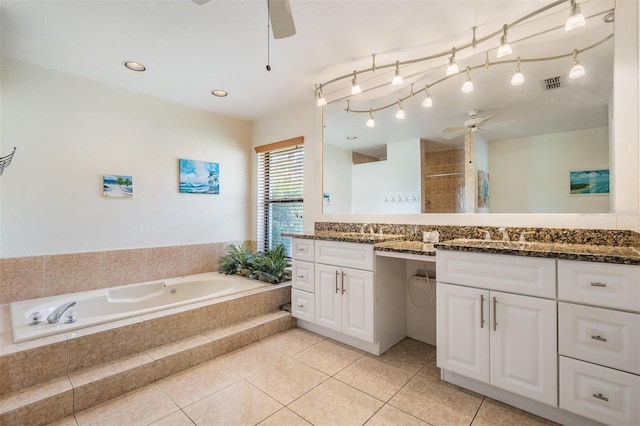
[
  {"x": 54, "y": 316},
  {"x": 505, "y": 234}
]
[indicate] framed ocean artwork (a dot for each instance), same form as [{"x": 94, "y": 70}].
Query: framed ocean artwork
[
  {"x": 589, "y": 182},
  {"x": 483, "y": 188},
  {"x": 199, "y": 177},
  {"x": 117, "y": 186}
]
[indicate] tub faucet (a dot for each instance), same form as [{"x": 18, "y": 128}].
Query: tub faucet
[{"x": 54, "y": 316}]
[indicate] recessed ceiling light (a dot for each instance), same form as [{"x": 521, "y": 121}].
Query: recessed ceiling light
[
  {"x": 219, "y": 93},
  {"x": 352, "y": 137},
  {"x": 134, "y": 66}
]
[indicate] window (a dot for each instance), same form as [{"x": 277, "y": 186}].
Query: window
[{"x": 280, "y": 185}]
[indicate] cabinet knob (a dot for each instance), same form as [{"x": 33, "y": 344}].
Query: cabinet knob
[
  {"x": 596, "y": 284},
  {"x": 599, "y": 338},
  {"x": 300, "y": 276},
  {"x": 300, "y": 306}
]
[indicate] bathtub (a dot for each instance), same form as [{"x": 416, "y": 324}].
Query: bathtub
[{"x": 114, "y": 303}]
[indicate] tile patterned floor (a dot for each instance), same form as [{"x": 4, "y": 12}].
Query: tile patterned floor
[{"x": 299, "y": 378}]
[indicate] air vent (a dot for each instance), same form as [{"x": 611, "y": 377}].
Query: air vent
[{"x": 552, "y": 83}]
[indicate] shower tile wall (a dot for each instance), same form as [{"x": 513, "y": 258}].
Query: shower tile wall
[
  {"x": 32, "y": 277},
  {"x": 442, "y": 194}
]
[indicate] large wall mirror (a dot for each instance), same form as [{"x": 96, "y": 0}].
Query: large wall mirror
[{"x": 543, "y": 146}]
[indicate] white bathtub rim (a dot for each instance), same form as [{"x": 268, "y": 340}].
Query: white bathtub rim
[{"x": 71, "y": 332}]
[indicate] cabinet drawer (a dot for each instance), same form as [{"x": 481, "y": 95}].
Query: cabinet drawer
[
  {"x": 533, "y": 276},
  {"x": 302, "y": 249},
  {"x": 303, "y": 305},
  {"x": 302, "y": 274},
  {"x": 599, "y": 393},
  {"x": 602, "y": 284},
  {"x": 351, "y": 255},
  {"x": 602, "y": 336}
]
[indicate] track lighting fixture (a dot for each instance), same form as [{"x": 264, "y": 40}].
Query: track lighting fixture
[
  {"x": 355, "y": 87},
  {"x": 467, "y": 87},
  {"x": 400, "y": 113},
  {"x": 577, "y": 70},
  {"x": 505, "y": 47},
  {"x": 397, "y": 78},
  {"x": 371, "y": 122},
  {"x": 517, "y": 78},
  {"x": 576, "y": 18},
  {"x": 452, "y": 68},
  {"x": 320, "y": 100},
  {"x": 428, "y": 102}
]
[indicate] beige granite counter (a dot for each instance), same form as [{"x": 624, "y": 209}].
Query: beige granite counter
[
  {"x": 402, "y": 244},
  {"x": 348, "y": 237},
  {"x": 585, "y": 252}
]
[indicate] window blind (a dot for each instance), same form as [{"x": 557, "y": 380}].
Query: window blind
[{"x": 280, "y": 195}]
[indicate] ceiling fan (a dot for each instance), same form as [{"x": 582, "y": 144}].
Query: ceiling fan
[
  {"x": 473, "y": 124},
  {"x": 280, "y": 16}
]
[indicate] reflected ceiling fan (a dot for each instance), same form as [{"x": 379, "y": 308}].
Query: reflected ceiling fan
[
  {"x": 473, "y": 124},
  {"x": 280, "y": 16}
]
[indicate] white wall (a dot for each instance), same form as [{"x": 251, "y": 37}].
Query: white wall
[
  {"x": 337, "y": 182},
  {"x": 370, "y": 182},
  {"x": 532, "y": 174},
  {"x": 70, "y": 131}
]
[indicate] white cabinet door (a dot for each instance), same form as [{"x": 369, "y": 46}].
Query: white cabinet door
[
  {"x": 328, "y": 297},
  {"x": 463, "y": 330},
  {"x": 357, "y": 303},
  {"x": 523, "y": 346}
]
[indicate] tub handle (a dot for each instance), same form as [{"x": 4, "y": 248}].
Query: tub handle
[{"x": 36, "y": 318}]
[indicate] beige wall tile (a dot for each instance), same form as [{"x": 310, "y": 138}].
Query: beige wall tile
[
  {"x": 165, "y": 367},
  {"x": 235, "y": 341},
  {"x": 171, "y": 328},
  {"x": 70, "y": 273},
  {"x": 94, "y": 393},
  {"x": 42, "y": 412},
  {"x": 93, "y": 349},
  {"x": 22, "y": 369},
  {"x": 21, "y": 278},
  {"x": 121, "y": 267},
  {"x": 201, "y": 258},
  {"x": 276, "y": 325},
  {"x": 165, "y": 262}
]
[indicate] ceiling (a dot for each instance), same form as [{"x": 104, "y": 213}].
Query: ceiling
[{"x": 190, "y": 49}]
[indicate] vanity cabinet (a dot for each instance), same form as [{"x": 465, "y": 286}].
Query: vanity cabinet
[
  {"x": 599, "y": 341},
  {"x": 495, "y": 336},
  {"x": 345, "y": 288}
]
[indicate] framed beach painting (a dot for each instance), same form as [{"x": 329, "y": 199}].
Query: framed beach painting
[
  {"x": 199, "y": 177},
  {"x": 117, "y": 186},
  {"x": 589, "y": 182},
  {"x": 483, "y": 188}
]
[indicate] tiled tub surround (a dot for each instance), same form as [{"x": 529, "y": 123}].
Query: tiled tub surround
[
  {"x": 32, "y": 277},
  {"x": 45, "y": 379}
]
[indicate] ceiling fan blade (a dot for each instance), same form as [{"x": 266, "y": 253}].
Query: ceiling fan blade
[
  {"x": 281, "y": 18},
  {"x": 452, "y": 132},
  {"x": 483, "y": 120}
]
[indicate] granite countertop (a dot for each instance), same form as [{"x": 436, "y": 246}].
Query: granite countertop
[
  {"x": 627, "y": 255},
  {"x": 584, "y": 252},
  {"x": 349, "y": 237},
  {"x": 411, "y": 247}
]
